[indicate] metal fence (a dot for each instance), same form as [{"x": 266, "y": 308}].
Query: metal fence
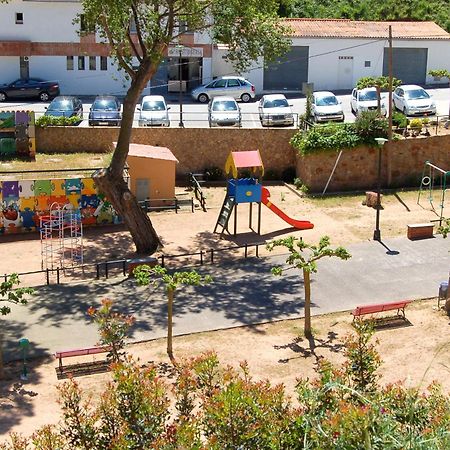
[{"x": 121, "y": 267}]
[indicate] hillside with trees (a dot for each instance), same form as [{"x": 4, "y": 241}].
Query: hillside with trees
[{"x": 434, "y": 10}]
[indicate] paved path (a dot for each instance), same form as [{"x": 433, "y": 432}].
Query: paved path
[{"x": 243, "y": 293}]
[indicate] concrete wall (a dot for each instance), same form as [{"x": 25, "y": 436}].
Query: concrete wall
[{"x": 197, "y": 149}]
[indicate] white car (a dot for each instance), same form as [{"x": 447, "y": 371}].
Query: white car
[
  {"x": 366, "y": 100},
  {"x": 237, "y": 87},
  {"x": 325, "y": 106},
  {"x": 224, "y": 111},
  {"x": 412, "y": 99},
  {"x": 153, "y": 111},
  {"x": 274, "y": 109}
]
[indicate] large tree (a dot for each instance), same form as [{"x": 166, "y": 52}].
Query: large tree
[{"x": 139, "y": 33}]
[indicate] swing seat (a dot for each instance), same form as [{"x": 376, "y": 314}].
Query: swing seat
[{"x": 420, "y": 231}]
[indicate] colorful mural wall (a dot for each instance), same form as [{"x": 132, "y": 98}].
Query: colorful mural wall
[
  {"x": 24, "y": 201},
  {"x": 17, "y": 134}
]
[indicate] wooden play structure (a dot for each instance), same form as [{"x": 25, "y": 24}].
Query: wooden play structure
[{"x": 249, "y": 190}]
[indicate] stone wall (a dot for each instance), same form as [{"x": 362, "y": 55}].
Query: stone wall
[
  {"x": 195, "y": 148},
  {"x": 198, "y": 148},
  {"x": 401, "y": 165}
]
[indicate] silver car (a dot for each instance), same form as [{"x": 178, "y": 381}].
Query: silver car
[
  {"x": 224, "y": 111},
  {"x": 366, "y": 100},
  {"x": 154, "y": 111},
  {"x": 325, "y": 106},
  {"x": 274, "y": 109},
  {"x": 237, "y": 87}
]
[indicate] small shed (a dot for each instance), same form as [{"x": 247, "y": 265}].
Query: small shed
[{"x": 152, "y": 172}]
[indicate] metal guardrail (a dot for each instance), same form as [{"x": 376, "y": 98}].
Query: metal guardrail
[{"x": 103, "y": 269}]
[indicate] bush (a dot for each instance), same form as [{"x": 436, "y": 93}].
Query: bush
[
  {"x": 213, "y": 174},
  {"x": 49, "y": 121},
  {"x": 399, "y": 120},
  {"x": 369, "y": 125},
  {"x": 415, "y": 124}
]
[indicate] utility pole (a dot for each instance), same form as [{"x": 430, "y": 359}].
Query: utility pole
[{"x": 390, "y": 85}]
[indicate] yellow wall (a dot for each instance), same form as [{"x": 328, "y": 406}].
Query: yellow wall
[{"x": 160, "y": 173}]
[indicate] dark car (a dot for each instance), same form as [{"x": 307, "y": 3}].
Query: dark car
[
  {"x": 65, "y": 106},
  {"x": 105, "y": 111},
  {"x": 28, "y": 88}
]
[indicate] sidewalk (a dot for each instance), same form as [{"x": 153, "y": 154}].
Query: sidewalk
[{"x": 243, "y": 293}]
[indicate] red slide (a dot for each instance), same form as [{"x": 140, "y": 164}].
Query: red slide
[{"x": 299, "y": 224}]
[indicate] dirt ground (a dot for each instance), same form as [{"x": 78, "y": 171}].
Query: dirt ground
[{"x": 415, "y": 352}]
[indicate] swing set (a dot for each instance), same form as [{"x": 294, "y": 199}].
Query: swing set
[{"x": 434, "y": 178}]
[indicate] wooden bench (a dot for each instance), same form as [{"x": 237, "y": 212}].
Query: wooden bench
[
  {"x": 420, "y": 230},
  {"x": 381, "y": 307},
  {"x": 79, "y": 352}
]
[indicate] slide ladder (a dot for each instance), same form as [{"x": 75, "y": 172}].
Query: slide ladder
[{"x": 225, "y": 214}]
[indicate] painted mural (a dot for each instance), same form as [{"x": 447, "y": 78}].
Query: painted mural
[
  {"x": 17, "y": 135},
  {"x": 24, "y": 202}
]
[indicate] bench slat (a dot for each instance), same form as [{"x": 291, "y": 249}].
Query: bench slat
[
  {"x": 380, "y": 307},
  {"x": 81, "y": 352}
]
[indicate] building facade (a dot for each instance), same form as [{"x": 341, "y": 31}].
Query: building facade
[{"x": 38, "y": 38}]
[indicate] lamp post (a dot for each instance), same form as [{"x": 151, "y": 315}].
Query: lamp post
[
  {"x": 180, "y": 97},
  {"x": 24, "y": 343},
  {"x": 377, "y": 231}
]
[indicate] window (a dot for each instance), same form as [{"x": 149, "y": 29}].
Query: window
[
  {"x": 70, "y": 63},
  {"x": 19, "y": 18},
  {"x": 219, "y": 84},
  {"x": 366, "y": 63},
  {"x": 81, "y": 63},
  {"x": 183, "y": 27},
  {"x": 92, "y": 63},
  {"x": 103, "y": 63},
  {"x": 233, "y": 83}
]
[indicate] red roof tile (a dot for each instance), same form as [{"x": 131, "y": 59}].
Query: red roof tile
[{"x": 345, "y": 28}]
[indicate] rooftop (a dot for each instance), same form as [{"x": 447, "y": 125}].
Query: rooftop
[
  {"x": 150, "y": 151},
  {"x": 345, "y": 28}
]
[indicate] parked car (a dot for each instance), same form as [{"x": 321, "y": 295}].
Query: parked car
[
  {"x": 366, "y": 100},
  {"x": 29, "y": 88},
  {"x": 224, "y": 111},
  {"x": 65, "y": 106},
  {"x": 154, "y": 111},
  {"x": 274, "y": 109},
  {"x": 237, "y": 87},
  {"x": 412, "y": 99},
  {"x": 105, "y": 111},
  {"x": 325, "y": 106}
]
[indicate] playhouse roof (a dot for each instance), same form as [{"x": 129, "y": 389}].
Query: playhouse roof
[
  {"x": 151, "y": 151},
  {"x": 241, "y": 160}
]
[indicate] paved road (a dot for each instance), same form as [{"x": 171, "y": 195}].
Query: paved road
[
  {"x": 195, "y": 115},
  {"x": 243, "y": 293}
]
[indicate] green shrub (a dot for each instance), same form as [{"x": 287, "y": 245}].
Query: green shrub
[
  {"x": 369, "y": 125},
  {"x": 399, "y": 120},
  {"x": 49, "y": 121},
  {"x": 213, "y": 173}
]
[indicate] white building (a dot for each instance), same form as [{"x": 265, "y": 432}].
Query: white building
[{"x": 39, "y": 39}]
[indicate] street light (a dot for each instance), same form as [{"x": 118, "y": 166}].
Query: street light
[
  {"x": 377, "y": 231},
  {"x": 180, "y": 98}
]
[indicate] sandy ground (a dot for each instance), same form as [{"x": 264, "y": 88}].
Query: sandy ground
[{"x": 416, "y": 352}]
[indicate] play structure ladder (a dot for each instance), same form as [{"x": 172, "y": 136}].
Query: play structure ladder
[{"x": 225, "y": 214}]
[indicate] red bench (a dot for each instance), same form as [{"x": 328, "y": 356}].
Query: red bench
[
  {"x": 80, "y": 352},
  {"x": 381, "y": 307}
]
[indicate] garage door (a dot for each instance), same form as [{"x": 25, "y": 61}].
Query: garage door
[
  {"x": 408, "y": 64},
  {"x": 289, "y": 72}
]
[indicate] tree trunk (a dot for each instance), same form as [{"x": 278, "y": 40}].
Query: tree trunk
[
  {"x": 307, "y": 284},
  {"x": 111, "y": 183},
  {"x": 170, "y": 295},
  {"x": 2, "y": 371}
]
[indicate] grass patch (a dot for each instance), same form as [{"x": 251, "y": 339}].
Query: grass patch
[{"x": 58, "y": 162}]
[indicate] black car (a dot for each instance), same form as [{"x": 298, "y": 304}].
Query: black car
[
  {"x": 65, "y": 106},
  {"x": 105, "y": 111},
  {"x": 28, "y": 88}
]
